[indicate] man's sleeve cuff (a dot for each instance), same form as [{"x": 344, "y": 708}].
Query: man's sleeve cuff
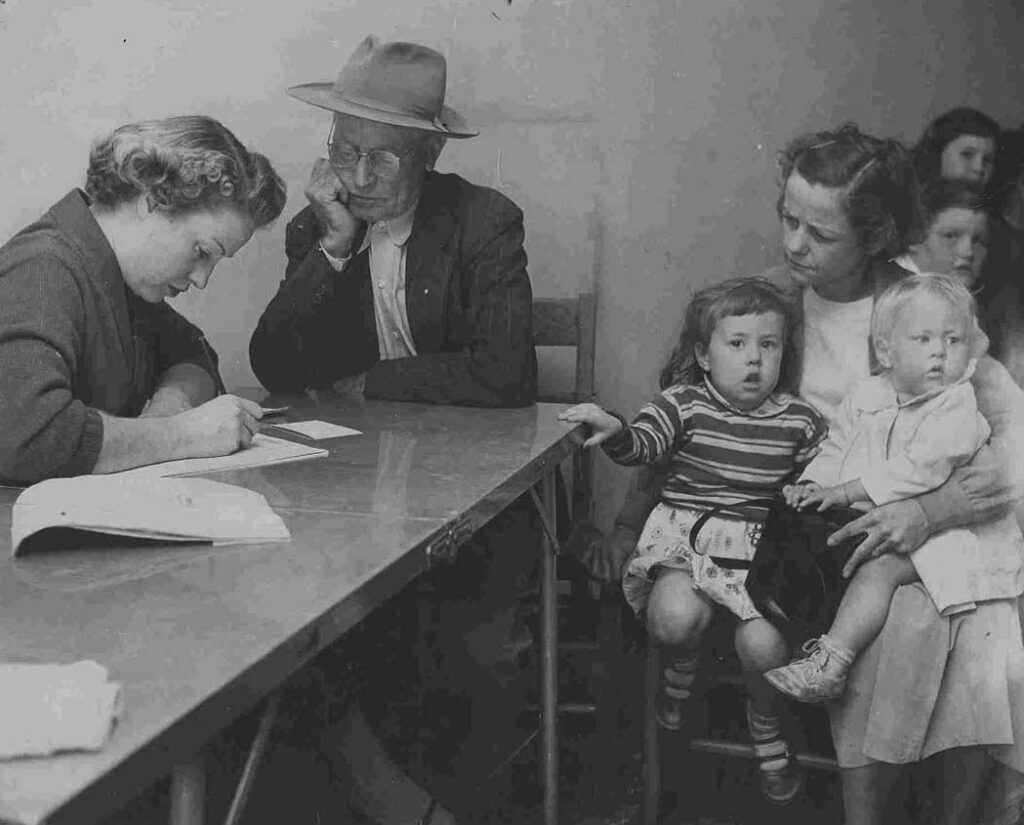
[{"x": 337, "y": 264}]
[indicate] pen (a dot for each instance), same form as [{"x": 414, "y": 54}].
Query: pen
[{"x": 273, "y": 410}]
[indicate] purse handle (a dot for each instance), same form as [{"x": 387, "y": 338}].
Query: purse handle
[{"x": 714, "y": 511}]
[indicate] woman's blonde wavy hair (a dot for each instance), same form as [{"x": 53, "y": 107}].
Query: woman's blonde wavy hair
[{"x": 181, "y": 164}]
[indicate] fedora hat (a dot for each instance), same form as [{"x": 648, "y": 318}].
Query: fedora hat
[{"x": 401, "y": 84}]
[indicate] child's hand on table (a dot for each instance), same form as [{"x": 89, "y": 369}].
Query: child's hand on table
[{"x": 603, "y": 425}]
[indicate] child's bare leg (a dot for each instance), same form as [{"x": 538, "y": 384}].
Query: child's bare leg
[
  {"x": 761, "y": 647},
  {"x": 860, "y": 618},
  {"x": 677, "y": 616},
  {"x": 865, "y": 605}
]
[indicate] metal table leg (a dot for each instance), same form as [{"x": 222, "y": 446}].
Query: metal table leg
[
  {"x": 252, "y": 762},
  {"x": 188, "y": 792},
  {"x": 545, "y": 504}
]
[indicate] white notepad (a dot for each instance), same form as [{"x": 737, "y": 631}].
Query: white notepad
[
  {"x": 263, "y": 450},
  {"x": 317, "y": 429}
]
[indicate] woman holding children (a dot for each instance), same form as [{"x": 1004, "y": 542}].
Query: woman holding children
[{"x": 928, "y": 683}]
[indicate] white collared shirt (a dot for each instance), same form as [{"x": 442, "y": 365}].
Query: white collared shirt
[{"x": 387, "y": 241}]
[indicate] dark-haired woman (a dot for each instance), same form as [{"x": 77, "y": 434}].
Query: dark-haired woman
[
  {"x": 97, "y": 372},
  {"x": 925, "y": 686}
]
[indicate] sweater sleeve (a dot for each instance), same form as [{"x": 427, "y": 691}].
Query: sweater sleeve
[
  {"x": 815, "y": 433},
  {"x": 44, "y": 430},
  {"x": 659, "y": 429}
]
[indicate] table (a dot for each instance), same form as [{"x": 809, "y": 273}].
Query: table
[{"x": 198, "y": 635}]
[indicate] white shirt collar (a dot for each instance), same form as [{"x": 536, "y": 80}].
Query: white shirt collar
[
  {"x": 879, "y": 393},
  {"x": 397, "y": 229},
  {"x": 904, "y": 261}
]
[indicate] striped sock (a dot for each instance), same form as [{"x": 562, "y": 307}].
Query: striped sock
[
  {"x": 680, "y": 674},
  {"x": 770, "y": 748}
]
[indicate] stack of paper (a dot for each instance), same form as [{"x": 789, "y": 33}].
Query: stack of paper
[
  {"x": 262, "y": 450},
  {"x": 167, "y": 509}
]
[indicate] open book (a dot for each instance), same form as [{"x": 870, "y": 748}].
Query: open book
[{"x": 161, "y": 509}]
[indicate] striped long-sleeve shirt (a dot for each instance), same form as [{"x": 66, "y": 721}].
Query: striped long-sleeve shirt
[{"x": 721, "y": 455}]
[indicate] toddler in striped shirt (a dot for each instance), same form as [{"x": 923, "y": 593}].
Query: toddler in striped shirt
[{"x": 731, "y": 433}]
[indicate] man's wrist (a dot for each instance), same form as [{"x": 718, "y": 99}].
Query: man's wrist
[{"x": 336, "y": 257}]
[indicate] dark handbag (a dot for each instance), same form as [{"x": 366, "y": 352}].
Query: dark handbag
[{"x": 795, "y": 579}]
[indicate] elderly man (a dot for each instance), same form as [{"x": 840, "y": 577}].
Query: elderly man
[
  {"x": 403, "y": 283},
  {"x": 410, "y": 285}
]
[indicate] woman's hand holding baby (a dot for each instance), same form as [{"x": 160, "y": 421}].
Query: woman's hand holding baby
[{"x": 603, "y": 425}]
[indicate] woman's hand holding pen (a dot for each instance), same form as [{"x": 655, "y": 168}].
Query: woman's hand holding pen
[
  {"x": 219, "y": 427},
  {"x": 603, "y": 425}
]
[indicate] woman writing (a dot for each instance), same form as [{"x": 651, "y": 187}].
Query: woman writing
[
  {"x": 97, "y": 372},
  {"x": 847, "y": 208}
]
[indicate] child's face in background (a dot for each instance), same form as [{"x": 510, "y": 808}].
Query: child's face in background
[
  {"x": 928, "y": 348},
  {"x": 744, "y": 356},
  {"x": 956, "y": 245}
]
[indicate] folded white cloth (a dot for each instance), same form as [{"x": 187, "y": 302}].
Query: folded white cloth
[{"x": 46, "y": 709}]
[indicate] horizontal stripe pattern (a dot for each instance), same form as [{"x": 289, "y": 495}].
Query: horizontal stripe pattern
[{"x": 719, "y": 455}]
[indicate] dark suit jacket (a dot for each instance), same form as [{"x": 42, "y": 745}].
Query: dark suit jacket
[{"x": 468, "y": 300}]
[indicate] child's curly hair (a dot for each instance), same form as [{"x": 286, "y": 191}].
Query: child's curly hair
[
  {"x": 181, "y": 164},
  {"x": 736, "y": 296}
]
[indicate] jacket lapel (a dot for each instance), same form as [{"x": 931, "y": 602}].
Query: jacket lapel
[{"x": 429, "y": 270}]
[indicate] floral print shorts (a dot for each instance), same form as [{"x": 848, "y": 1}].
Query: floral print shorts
[{"x": 665, "y": 542}]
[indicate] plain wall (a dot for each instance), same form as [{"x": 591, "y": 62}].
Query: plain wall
[{"x": 639, "y": 136}]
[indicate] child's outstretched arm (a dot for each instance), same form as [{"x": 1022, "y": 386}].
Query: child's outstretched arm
[
  {"x": 659, "y": 428},
  {"x": 603, "y": 425}
]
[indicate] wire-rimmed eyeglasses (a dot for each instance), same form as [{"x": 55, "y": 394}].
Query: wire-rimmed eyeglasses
[{"x": 381, "y": 162}]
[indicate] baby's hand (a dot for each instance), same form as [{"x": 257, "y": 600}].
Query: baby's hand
[
  {"x": 603, "y": 425},
  {"x": 796, "y": 494},
  {"x": 826, "y": 497}
]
